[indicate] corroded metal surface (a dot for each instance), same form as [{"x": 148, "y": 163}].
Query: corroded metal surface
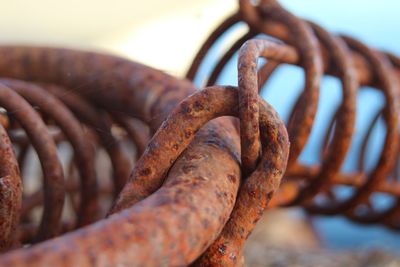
[
  {"x": 10, "y": 192},
  {"x": 356, "y": 65},
  {"x": 209, "y": 164},
  {"x": 192, "y": 193}
]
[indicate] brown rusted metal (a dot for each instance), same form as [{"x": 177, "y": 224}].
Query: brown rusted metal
[
  {"x": 84, "y": 157},
  {"x": 255, "y": 192},
  {"x": 47, "y": 152},
  {"x": 196, "y": 190},
  {"x": 149, "y": 95},
  {"x": 100, "y": 122},
  {"x": 355, "y": 65},
  {"x": 10, "y": 192}
]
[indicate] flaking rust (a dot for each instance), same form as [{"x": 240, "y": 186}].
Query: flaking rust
[{"x": 194, "y": 191}]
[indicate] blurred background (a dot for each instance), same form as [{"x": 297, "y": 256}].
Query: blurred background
[
  {"x": 167, "y": 34},
  {"x": 146, "y": 31}
]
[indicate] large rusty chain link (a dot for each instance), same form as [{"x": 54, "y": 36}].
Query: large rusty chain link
[{"x": 202, "y": 181}]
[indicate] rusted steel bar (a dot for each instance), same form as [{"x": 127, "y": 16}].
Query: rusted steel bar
[
  {"x": 174, "y": 135},
  {"x": 255, "y": 192},
  {"x": 194, "y": 111},
  {"x": 98, "y": 121},
  {"x": 150, "y": 95},
  {"x": 336, "y": 152},
  {"x": 216, "y": 72},
  {"x": 262, "y": 20},
  {"x": 10, "y": 192},
  {"x": 69, "y": 125},
  {"x": 47, "y": 152},
  {"x": 299, "y": 127},
  {"x": 356, "y": 65},
  {"x": 277, "y": 30},
  {"x": 189, "y": 175},
  {"x": 387, "y": 159},
  {"x": 215, "y": 35}
]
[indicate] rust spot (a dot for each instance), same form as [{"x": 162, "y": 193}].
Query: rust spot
[
  {"x": 222, "y": 249},
  {"x": 145, "y": 172},
  {"x": 198, "y": 106},
  {"x": 188, "y": 133},
  {"x": 252, "y": 193},
  {"x": 270, "y": 195},
  {"x": 232, "y": 178},
  {"x": 185, "y": 108}
]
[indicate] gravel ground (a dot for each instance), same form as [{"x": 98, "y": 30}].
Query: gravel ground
[{"x": 282, "y": 239}]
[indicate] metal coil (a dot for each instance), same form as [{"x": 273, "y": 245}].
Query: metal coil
[
  {"x": 187, "y": 177},
  {"x": 46, "y": 116},
  {"x": 320, "y": 52},
  {"x": 200, "y": 169}
]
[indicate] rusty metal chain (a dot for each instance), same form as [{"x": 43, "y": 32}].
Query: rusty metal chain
[
  {"x": 187, "y": 178},
  {"x": 188, "y": 200}
]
